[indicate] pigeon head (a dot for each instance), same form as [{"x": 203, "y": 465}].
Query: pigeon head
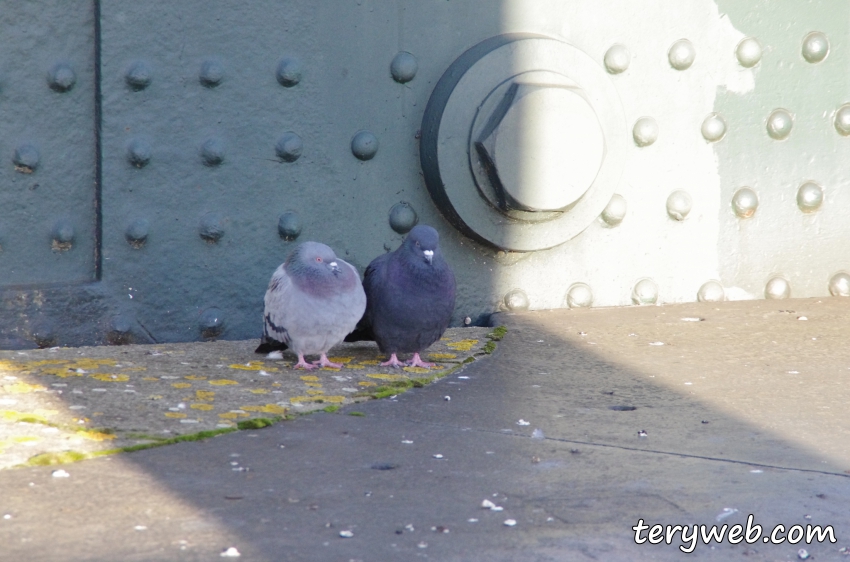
[
  {"x": 423, "y": 243},
  {"x": 313, "y": 265}
]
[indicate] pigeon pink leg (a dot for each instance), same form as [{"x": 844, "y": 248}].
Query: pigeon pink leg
[
  {"x": 303, "y": 364},
  {"x": 325, "y": 362},
  {"x": 418, "y": 362},
  {"x": 393, "y": 362}
]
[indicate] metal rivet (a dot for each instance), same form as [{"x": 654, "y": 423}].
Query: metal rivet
[
  {"x": 61, "y": 77},
  {"x": 815, "y": 47},
  {"x": 26, "y": 158},
  {"x": 212, "y": 73},
  {"x": 403, "y": 217},
  {"x": 138, "y": 153},
  {"x": 289, "y": 147},
  {"x": 714, "y": 127},
  {"x": 711, "y": 291},
  {"x": 211, "y": 322},
  {"x": 809, "y": 197},
  {"x": 516, "y": 299},
  {"x": 211, "y": 227},
  {"x": 748, "y": 52},
  {"x": 288, "y": 72},
  {"x": 43, "y": 334},
  {"x": 744, "y": 203},
  {"x": 364, "y": 145},
  {"x": 777, "y": 288},
  {"x": 579, "y": 295},
  {"x": 121, "y": 330},
  {"x": 289, "y": 226},
  {"x": 615, "y": 211},
  {"x": 137, "y": 233},
  {"x": 404, "y": 67},
  {"x": 681, "y": 54},
  {"x": 779, "y": 124},
  {"x": 645, "y": 131},
  {"x": 679, "y": 204},
  {"x": 839, "y": 284},
  {"x": 212, "y": 152},
  {"x": 138, "y": 76},
  {"x": 645, "y": 291},
  {"x": 62, "y": 236},
  {"x": 842, "y": 120},
  {"x": 617, "y": 59}
]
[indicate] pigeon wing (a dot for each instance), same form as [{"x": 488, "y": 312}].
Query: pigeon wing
[{"x": 278, "y": 297}]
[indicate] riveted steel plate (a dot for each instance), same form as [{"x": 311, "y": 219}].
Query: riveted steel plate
[{"x": 468, "y": 87}]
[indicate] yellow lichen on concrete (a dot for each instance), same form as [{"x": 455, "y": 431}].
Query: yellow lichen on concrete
[
  {"x": 181, "y": 385},
  {"x": 195, "y": 378},
  {"x": 312, "y": 392},
  {"x": 233, "y": 415},
  {"x": 437, "y": 356},
  {"x": 418, "y": 370},
  {"x": 175, "y": 415},
  {"x": 204, "y": 407},
  {"x": 367, "y": 383},
  {"x": 222, "y": 382},
  {"x": 310, "y": 378},
  {"x": 23, "y": 388},
  {"x": 253, "y": 366},
  {"x": 110, "y": 378},
  {"x": 385, "y": 377},
  {"x": 462, "y": 345},
  {"x": 343, "y": 360},
  {"x": 267, "y": 409},
  {"x": 93, "y": 435},
  {"x": 313, "y": 384},
  {"x": 258, "y": 391},
  {"x": 204, "y": 395}
]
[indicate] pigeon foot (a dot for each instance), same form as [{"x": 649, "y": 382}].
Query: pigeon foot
[
  {"x": 418, "y": 362},
  {"x": 302, "y": 364},
  {"x": 325, "y": 362},
  {"x": 393, "y": 362}
]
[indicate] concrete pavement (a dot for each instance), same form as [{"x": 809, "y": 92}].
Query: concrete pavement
[{"x": 580, "y": 424}]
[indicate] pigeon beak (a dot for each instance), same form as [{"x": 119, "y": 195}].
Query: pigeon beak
[
  {"x": 429, "y": 255},
  {"x": 334, "y": 266}
]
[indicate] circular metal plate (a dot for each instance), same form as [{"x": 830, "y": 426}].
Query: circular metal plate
[{"x": 447, "y": 129}]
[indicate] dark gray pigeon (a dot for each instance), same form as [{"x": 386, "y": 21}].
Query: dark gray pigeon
[
  {"x": 314, "y": 299},
  {"x": 410, "y": 296}
]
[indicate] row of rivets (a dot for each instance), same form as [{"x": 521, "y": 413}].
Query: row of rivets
[
  {"x": 288, "y": 73},
  {"x": 645, "y": 292},
  {"x": 682, "y": 53},
  {"x": 402, "y": 217},
  {"x": 779, "y": 125}
]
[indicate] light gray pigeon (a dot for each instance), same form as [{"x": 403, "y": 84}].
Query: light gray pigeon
[
  {"x": 410, "y": 298},
  {"x": 314, "y": 299}
]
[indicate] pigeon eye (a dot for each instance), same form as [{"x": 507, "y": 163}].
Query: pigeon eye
[
  {"x": 319, "y": 260},
  {"x": 417, "y": 244}
]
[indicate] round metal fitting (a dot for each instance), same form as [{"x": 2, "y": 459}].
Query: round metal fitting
[
  {"x": 212, "y": 152},
  {"x": 138, "y": 153},
  {"x": 211, "y": 322},
  {"x": 364, "y": 145},
  {"x": 288, "y": 72},
  {"x": 679, "y": 204},
  {"x": 137, "y": 233},
  {"x": 61, "y": 78},
  {"x": 815, "y": 47},
  {"x": 645, "y": 131},
  {"x": 839, "y": 284},
  {"x": 523, "y": 142},
  {"x": 711, "y": 291},
  {"x": 714, "y": 127},
  {"x": 842, "y": 120},
  {"x": 617, "y": 59},
  {"x": 615, "y": 211},
  {"x": 645, "y": 291},
  {"x": 289, "y": 226},
  {"x": 777, "y": 288},
  {"x": 681, "y": 54},
  {"x": 62, "y": 236},
  {"x": 779, "y": 124},
  {"x": 211, "y": 227},
  {"x": 579, "y": 295},
  {"x": 403, "y": 67},
  {"x": 289, "y": 147},
  {"x": 211, "y": 74},
  {"x": 120, "y": 330},
  {"x": 403, "y": 217},
  {"x": 748, "y": 52},
  {"x": 138, "y": 76},
  {"x": 26, "y": 158},
  {"x": 809, "y": 197},
  {"x": 516, "y": 300},
  {"x": 744, "y": 203}
]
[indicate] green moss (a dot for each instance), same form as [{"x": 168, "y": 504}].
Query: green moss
[
  {"x": 498, "y": 333},
  {"x": 489, "y": 347},
  {"x": 358, "y": 414},
  {"x": 330, "y": 409},
  {"x": 62, "y": 457},
  {"x": 383, "y": 392},
  {"x": 468, "y": 360},
  {"x": 256, "y": 423}
]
